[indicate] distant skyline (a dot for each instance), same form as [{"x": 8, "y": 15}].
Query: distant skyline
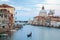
[{"x": 27, "y": 9}]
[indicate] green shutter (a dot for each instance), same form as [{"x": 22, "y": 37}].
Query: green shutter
[{"x": 0, "y": 11}]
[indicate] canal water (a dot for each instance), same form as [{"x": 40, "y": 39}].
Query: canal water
[{"x": 38, "y": 33}]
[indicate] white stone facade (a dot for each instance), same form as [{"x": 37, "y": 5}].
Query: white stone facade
[
  {"x": 55, "y": 24},
  {"x": 43, "y": 12}
]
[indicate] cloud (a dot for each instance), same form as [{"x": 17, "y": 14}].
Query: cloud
[
  {"x": 53, "y": 1},
  {"x": 4, "y": 0},
  {"x": 27, "y": 9},
  {"x": 48, "y": 6},
  {"x": 18, "y": 8},
  {"x": 25, "y": 15},
  {"x": 23, "y": 8}
]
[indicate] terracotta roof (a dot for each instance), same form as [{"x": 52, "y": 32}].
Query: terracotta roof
[
  {"x": 53, "y": 18},
  {"x": 5, "y": 6},
  {"x": 40, "y": 17}
]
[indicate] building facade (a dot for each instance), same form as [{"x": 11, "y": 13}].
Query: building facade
[
  {"x": 43, "y": 12},
  {"x": 47, "y": 19},
  {"x": 6, "y": 15},
  {"x": 41, "y": 18}
]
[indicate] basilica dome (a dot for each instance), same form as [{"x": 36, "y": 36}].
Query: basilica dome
[{"x": 43, "y": 12}]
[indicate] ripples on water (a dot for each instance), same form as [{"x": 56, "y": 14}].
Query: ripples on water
[
  {"x": 4, "y": 38},
  {"x": 38, "y": 33}
]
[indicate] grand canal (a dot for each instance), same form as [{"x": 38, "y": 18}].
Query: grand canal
[{"x": 38, "y": 33}]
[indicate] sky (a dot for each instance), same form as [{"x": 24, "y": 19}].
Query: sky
[{"x": 27, "y": 9}]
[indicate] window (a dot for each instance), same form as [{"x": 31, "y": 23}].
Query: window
[
  {"x": 5, "y": 15},
  {"x": 1, "y": 15}
]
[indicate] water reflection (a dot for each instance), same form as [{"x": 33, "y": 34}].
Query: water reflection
[
  {"x": 6, "y": 36},
  {"x": 38, "y": 33}
]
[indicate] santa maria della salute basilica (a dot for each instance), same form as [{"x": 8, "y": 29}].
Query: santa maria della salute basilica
[
  {"x": 46, "y": 19},
  {"x": 44, "y": 13}
]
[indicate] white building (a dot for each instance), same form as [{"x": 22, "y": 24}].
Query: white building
[
  {"x": 43, "y": 12},
  {"x": 55, "y": 23},
  {"x": 51, "y": 13}
]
